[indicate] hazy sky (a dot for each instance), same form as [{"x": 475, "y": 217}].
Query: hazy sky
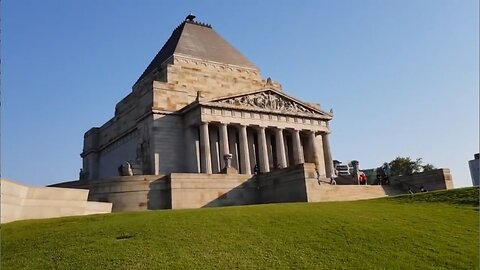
[{"x": 401, "y": 76}]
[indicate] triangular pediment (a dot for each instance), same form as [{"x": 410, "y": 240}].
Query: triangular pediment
[{"x": 271, "y": 100}]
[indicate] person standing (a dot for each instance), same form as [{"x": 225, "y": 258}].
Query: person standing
[
  {"x": 332, "y": 178},
  {"x": 256, "y": 169},
  {"x": 363, "y": 179}
]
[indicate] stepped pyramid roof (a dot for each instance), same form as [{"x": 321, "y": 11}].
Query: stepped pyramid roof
[{"x": 198, "y": 40}]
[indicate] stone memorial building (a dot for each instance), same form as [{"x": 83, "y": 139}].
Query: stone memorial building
[
  {"x": 201, "y": 128},
  {"x": 198, "y": 100}
]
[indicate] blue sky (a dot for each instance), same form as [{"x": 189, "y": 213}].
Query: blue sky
[{"x": 401, "y": 76}]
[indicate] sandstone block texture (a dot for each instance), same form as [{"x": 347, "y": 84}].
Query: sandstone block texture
[{"x": 19, "y": 202}]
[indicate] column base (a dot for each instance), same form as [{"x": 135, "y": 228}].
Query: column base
[{"x": 230, "y": 170}]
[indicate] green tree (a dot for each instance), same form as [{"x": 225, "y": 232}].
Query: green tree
[
  {"x": 428, "y": 167},
  {"x": 406, "y": 166}
]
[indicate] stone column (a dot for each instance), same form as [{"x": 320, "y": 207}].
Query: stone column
[
  {"x": 198, "y": 153},
  {"x": 297, "y": 148},
  {"x": 215, "y": 149},
  {"x": 244, "y": 154},
  {"x": 320, "y": 156},
  {"x": 206, "y": 160},
  {"x": 269, "y": 150},
  {"x": 313, "y": 148},
  {"x": 287, "y": 149},
  {"x": 233, "y": 146},
  {"x": 262, "y": 150},
  {"x": 282, "y": 159},
  {"x": 156, "y": 168},
  {"x": 328, "y": 155},
  {"x": 252, "y": 149},
  {"x": 224, "y": 148}
]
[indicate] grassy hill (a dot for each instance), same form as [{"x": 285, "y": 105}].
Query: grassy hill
[{"x": 436, "y": 230}]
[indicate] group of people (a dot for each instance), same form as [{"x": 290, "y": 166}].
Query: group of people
[
  {"x": 382, "y": 179},
  {"x": 332, "y": 178},
  {"x": 422, "y": 189},
  {"x": 256, "y": 169}
]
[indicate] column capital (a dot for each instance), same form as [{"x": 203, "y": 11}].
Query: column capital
[{"x": 242, "y": 126}]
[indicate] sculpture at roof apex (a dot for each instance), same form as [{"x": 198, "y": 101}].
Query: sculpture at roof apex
[{"x": 190, "y": 17}]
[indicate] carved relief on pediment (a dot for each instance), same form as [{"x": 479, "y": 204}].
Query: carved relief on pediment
[{"x": 270, "y": 101}]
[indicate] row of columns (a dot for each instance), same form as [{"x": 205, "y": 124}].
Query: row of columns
[{"x": 244, "y": 155}]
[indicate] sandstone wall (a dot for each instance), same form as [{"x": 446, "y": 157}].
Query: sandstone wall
[
  {"x": 167, "y": 98},
  {"x": 128, "y": 113},
  {"x": 168, "y": 143},
  {"x": 285, "y": 185},
  {"x": 213, "y": 79},
  {"x": 128, "y": 193},
  {"x": 186, "y": 77},
  {"x": 438, "y": 179},
  {"x": 117, "y": 154},
  {"x": 19, "y": 202},
  {"x": 128, "y": 120},
  {"x": 204, "y": 190}
]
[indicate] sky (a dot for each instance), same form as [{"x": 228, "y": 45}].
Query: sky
[{"x": 402, "y": 76}]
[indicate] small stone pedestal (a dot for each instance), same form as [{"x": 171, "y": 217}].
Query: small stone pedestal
[{"x": 228, "y": 165}]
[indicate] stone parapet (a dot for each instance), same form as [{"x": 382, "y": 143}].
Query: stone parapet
[
  {"x": 19, "y": 202},
  {"x": 128, "y": 193},
  {"x": 438, "y": 179}
]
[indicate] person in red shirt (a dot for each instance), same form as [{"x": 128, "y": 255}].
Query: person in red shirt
[{"x": 363, "y": 179}]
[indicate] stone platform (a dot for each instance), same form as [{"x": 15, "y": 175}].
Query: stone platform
[{"x": 193, "y": 190}]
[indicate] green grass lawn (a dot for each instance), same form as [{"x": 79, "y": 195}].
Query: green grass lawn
[{"x": 436, "y": 230}]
